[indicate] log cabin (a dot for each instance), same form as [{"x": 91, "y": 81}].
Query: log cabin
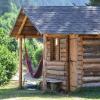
[{"x": 71, "y": 39}]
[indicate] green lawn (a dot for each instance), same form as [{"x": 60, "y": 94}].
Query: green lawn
[{"x": 11, "y": 92}]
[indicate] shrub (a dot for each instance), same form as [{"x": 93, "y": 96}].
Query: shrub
[{"x": 7, "y": 64}]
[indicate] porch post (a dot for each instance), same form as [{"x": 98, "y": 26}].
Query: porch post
[
  {"x": 44, "y": 85},
  {"x": 20, "y": 62},
  {"x": 73, "y": 62}
]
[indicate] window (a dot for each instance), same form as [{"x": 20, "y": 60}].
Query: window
[{"x": 57, "y": 49}]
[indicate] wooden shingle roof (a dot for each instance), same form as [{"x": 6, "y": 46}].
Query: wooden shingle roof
[{"x": 64, "y": 19}]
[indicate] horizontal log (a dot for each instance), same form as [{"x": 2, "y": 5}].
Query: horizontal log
[
  {"x": 91, "y": 79},
  {"x": 92, "y": 37},
  {"x": 51, "y": 80},
  {"x": 56, "y": 72},
  {"x": 27, "y": 36},
  {"x": 91, "y": 73},
  {"x": 55, "y": 63},
  {"x": 89, "y": 66},
  {"x": 91, "y": 56},
  {"x": 56, "y": 36},
  {"x": 56, "y": 67},
  {"x": 91, "y": 60},
  {"x": 94, "y": 84},
  {"x": 93, "y": 43},
  {"x": 92, "y": 53},
  {"x": 90, "y": 48},
  {"x": 92, "y": 69},
  {"x": 56, "y": 77}
]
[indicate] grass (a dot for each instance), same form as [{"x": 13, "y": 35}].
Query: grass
[{"x": 11, "y": 92}]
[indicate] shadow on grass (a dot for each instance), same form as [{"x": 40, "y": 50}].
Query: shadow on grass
[
  {"x": 89, "y": 93},
  {"x": 86, "y": 93},
  {"x": 14, "y": 92}
]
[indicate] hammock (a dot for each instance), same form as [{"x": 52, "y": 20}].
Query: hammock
[{"x": 34, "y": 74}]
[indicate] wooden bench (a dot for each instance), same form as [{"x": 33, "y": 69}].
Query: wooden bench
[{"x": 53, "y": 82}]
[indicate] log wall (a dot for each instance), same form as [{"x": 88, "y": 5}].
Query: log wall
[
  {"x": 79, "y": 62},
  {"x": 75, "y": 60},
  {"x": 57, "y": 60},
  {"x": 91, "y": 62}
]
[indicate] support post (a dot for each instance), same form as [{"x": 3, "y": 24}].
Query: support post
[
  {"x": 73, "y": 61},
  {"x": 68, "y": 71},
  {"x": 44, "y": 85},
  {"x": 20, "y": 62}
]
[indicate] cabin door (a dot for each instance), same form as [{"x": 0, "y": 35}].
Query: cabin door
[{"x": 91, "y": 61}]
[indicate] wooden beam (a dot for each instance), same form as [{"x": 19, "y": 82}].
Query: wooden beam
[
  {"x": 21, "y": 36},
  {"x": 92, "y": 42},
  {"x": 91, "y": 36},
  {"x": 22, "y": 25},
  {"x": 73, "y": 62},
  {"x": 30, "y": 36},
  {"x": 20, "y": 62},
  {"x": 56, "y": 35},
  {"x": 44, "y": 85},
  {"x": 68, "y": 64}
]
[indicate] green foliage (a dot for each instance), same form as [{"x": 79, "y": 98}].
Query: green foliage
[
  {"x": 8, "y": 47},
  {"x": 7, "y": 64}
]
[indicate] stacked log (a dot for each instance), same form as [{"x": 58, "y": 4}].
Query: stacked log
[
  {"x": 80, "y": 62},
  {"x": 91, "y": 66}
]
